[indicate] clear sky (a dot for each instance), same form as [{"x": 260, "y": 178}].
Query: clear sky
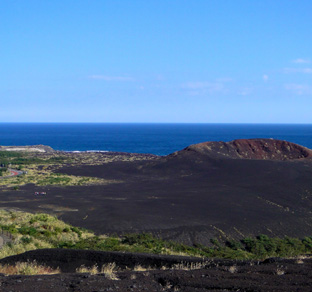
[{"x": 194, "y": 61}]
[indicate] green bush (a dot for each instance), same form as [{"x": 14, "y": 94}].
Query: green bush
[
  {"x": 235, "y": 245},
  {"x": 10, "y": 228},
  {"x": 26, "y": 230},
  {"x": 9, "y": 154},
  {"x": 76, "y": 230},
  {"x": 3, "y": 170},
  {"x": 66, "y": 229},
  {"x": 26, "y": 239},
  {"x": 39, "y": 218}
]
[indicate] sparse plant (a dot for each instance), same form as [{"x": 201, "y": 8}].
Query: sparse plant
[
  {"x": 90, "y": 270},
  {"x": 189, "y": 266},
  {"x": 139, "y": 268},
  {"x": 233, "y": 269},
  {"x": 133, "y": 276},
  {"x": 280, "y": 272},
  {"x": 110, "y": 271}
]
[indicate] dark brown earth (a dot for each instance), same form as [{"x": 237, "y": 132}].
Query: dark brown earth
[{"x": 214, "y": 275}]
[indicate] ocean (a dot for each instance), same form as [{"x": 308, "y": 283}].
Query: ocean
[{"x": 159, "y": 139}]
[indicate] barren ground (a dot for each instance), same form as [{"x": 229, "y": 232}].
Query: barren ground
[
  {"x": 216, "y": 275},
  {"x": 189, "y": 198}
]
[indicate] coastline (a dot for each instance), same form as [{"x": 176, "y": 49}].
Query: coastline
[{"x": 157, "y": 139}]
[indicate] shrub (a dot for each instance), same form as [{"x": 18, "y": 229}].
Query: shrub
[
  {"x": 26, "y": 230},
  {"x": 39, "y": 217},
  {"x": 26, "y": 239},
  {"x": 235, "y": 245},
  {"x": 76, "y": 230}
]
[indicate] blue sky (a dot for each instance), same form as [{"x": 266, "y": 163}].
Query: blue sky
[{"x": 200, "y": 61}]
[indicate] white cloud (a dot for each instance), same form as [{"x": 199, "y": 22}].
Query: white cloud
[
  {"x": 265, "y": 78},
  {"x": 298, "y": 70},
  {"x": 299, "y": 89},
  {"x": 226, "y": 79},
  {"x": 204, "y": 87},
  {"x": 245, "y": 91},
  {"x": 301, "y": 61},
  {"x": 211, "y": 86},
  {"x": 160, "y": 77},
  {"x": 111, "y": 78}
]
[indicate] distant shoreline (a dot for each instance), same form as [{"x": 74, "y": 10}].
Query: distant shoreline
[{"x": 158, "y": 139}]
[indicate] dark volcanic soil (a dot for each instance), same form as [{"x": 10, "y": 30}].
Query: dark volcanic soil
[
  {"x": 215, "y": 275},
  {"x": 252, "y": 149},
  {"x": 189, "y": 196}
]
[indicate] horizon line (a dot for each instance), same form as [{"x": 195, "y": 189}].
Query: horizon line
[{"x": 171, "y": 123}]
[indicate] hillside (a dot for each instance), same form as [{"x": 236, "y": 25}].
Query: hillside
[{"x": 262, "y": 149}]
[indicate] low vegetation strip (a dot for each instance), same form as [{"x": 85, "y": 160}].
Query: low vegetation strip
[
  {"x": 96, "y": 262},
  {"x": 40, "y": 231},
  {"x": 40, "y": 171},
  {"x": 43, "y": 177}
]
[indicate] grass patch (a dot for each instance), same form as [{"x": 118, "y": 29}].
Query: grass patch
[
  {"x": 109, "y": 270},
  {"x": 43, "y": 176},
  {"x": 41, "y": 168},
  {"x": 21, "y": 158},
  {"x": 4, "y": 171},
  {"x": 38, "y": 170},
  {"x": 35, "y": 231},
  {"x": 27, "y": 268}
]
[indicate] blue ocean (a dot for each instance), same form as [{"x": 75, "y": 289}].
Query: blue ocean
[{"x": 159, "y": 139}]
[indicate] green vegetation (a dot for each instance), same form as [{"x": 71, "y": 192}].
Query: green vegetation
[
  {"x": 34, "y": 231},
  {"x": 20, "y": 158},
  {"x": 42, "y": 176},
  {"x": 3, "y": 171},
  {"x": 39, "y": 171}
]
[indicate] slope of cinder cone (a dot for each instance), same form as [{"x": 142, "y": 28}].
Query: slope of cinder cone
[{"x": 267, "y": 149}]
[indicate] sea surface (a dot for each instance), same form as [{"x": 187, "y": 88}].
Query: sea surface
[{"x": 159, "y": 139}]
